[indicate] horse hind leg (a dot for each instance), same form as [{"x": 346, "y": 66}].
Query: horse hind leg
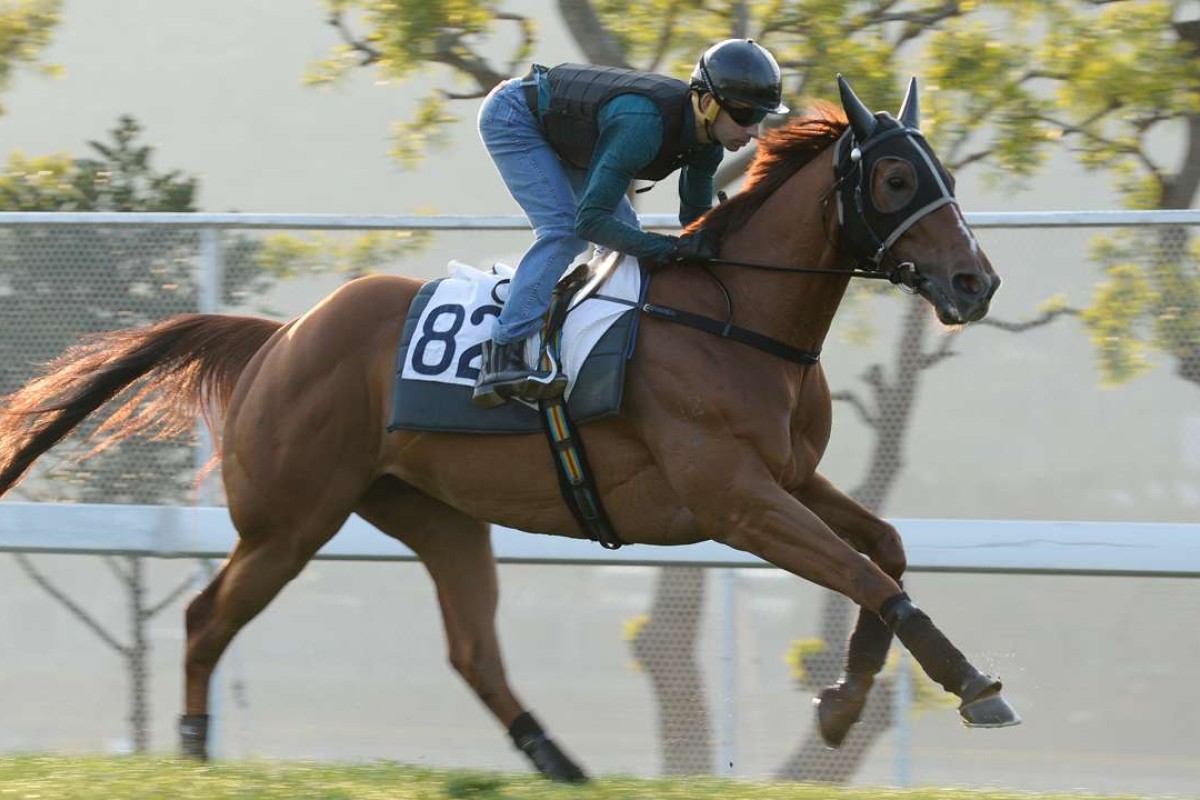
[
  {"x": 457, "y": 552},
  {"x": 259, "y": 567}
]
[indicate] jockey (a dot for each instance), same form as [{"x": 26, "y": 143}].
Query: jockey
[{"x": 569, "y": 140}]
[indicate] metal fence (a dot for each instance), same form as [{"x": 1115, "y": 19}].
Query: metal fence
[{"x": 1019, "y": 425}]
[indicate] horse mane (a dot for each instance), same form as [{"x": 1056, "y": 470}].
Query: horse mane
[{"x": 781, "y": 153}]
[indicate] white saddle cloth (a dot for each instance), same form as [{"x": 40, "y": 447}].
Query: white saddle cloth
[{"x": 446, "y": 345}]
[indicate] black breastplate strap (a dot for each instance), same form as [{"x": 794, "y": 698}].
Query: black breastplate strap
[{"x": 729, "y": 331}]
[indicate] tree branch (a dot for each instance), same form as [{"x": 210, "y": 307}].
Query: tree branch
[
  {"x": 175, "y": 594},
  {"x": 873, "y": 377},
  {"x": 450, "y": 50},
  {"x": 943, "y": 351},
  {"x": 1138, "y": 153},
  {"x": 515, "y": 65},
  {"x": 77, "y": 610},
  {"x": 369, "y": 54},
  {"x": 1020, "y": 327},
  {"x": 114, "y": 566},
  {"x": 597, "y": 42},
  {"x": 665, "y": 33},
  {"x": 858, "y": 405},
  {"x": 917, "y": 24}
]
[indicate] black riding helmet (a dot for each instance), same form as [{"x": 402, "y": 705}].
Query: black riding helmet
[{"x": 743, "y": 78}]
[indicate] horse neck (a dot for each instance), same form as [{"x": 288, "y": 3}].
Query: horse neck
[{"x": 792, "y": 228}]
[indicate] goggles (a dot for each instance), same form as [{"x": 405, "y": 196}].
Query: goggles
[{"x": 744, "y": 115}]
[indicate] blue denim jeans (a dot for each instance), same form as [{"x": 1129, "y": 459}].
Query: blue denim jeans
[{"x": 546, "y": 188}]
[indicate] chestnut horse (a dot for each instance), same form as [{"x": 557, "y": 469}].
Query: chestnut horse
[{"x": 717, "y": 439}]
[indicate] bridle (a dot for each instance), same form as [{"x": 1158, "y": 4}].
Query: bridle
[{"x": 867, "y": 247}]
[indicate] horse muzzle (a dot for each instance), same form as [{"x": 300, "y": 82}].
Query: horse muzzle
[{"x": 965, "y": 297}]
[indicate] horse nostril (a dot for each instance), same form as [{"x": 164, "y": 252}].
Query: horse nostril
[{"x": 970, "y": 285}]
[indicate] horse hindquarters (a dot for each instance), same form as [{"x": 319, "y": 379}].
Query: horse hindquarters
[{"x": 300, "y": 446}]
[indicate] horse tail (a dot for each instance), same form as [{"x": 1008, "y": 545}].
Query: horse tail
[{"x": 176, "y": 370}]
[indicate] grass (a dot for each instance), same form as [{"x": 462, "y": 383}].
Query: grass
[{"x": 131, "y": 778}]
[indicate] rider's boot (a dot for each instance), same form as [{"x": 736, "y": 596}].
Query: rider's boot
[
  {"x": 502, "y": 369},
  {"x": 503, "y": 374}
]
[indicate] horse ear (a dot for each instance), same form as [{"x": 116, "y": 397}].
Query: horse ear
[
  {"x": 910, "y": 109},
  {"x": 862, "y": 121}
]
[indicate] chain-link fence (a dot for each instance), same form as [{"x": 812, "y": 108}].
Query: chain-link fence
[{"x": 1076, "y": 400}]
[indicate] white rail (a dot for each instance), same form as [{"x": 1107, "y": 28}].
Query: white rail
[{"x": 933, "y": 545}]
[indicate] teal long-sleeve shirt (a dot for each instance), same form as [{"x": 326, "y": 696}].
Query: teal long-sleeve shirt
[{"x": 631, "y": 133}]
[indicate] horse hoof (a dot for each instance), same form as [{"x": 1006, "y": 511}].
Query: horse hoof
[
  {"x": 989, "y": 710},
  {"x": 836, "y": 713},
  {"x": 552, "y": 762}
]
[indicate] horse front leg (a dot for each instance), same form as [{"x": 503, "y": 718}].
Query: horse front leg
[
  {"x": 840, "y": 705},
  {"x": 778, "y": 528}
]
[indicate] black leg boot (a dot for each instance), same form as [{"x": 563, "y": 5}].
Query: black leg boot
[
  {"x": 547, "y": 758},
  {"x": 839, "y": 706},
  {"x": 193, "y": 736},
  {"x": 982, "y": 706}
]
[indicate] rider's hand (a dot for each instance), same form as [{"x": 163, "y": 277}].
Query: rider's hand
[{"x": 697, "y": 246}]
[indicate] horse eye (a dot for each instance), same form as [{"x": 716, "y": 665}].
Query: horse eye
[{"x": 897, "y": 182}]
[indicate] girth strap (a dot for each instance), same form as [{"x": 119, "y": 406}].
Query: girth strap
[
  {"x": 575, "y": 481},
  {"x": 728, "y": 330}
]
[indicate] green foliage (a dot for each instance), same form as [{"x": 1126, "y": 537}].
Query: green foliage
[
  {"x": 25, "y": 30},
  {"x": 408, "y": 35},
  {"x": 799, "y": 656},
  {"x": 1149, "y": 301},
  {"x": 405, "y": 39},
  {"x": 428, "y": 129},
  {"x": 120, "y": 178}
]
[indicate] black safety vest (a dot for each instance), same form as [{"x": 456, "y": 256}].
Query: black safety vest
[{"x": 577, "y": 93}]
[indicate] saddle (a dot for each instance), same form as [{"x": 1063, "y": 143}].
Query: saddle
[{"x": 589, "y": 333}]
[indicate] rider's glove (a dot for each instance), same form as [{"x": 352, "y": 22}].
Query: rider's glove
[{"x": 697, "y": 246}]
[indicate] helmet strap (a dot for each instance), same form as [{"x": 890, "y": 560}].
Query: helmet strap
[{"x": 706, "y": 116}]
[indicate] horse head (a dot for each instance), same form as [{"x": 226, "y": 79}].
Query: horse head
[{"x": 898, "y": 212}]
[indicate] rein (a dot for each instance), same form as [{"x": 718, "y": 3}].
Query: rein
[
  {"x": 903, "y": 275},
  {"x": 848, "y": 162}
]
